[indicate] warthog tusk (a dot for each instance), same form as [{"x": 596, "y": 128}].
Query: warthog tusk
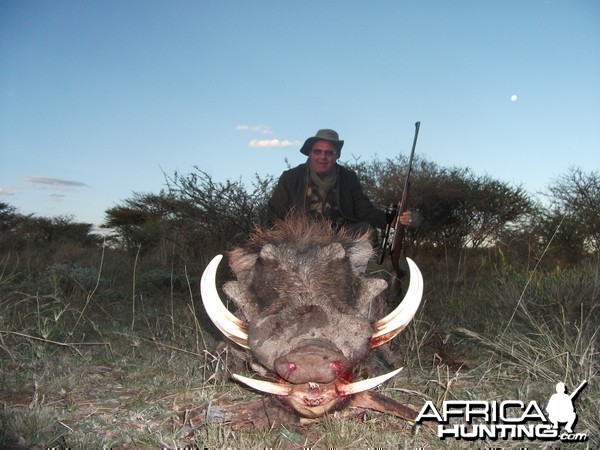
[
  {"x": 232, "y": 327},
  {"x": 365, "y": 385},
  {"x": 342, "y": 389},
  {"x": 264, "y": 386},
  {"x": 396, "y": 321}
]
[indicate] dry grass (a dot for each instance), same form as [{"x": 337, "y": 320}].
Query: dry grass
[{"x": 118, "y": 355}]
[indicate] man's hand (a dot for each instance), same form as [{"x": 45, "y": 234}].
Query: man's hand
[{"x": 406, "y": 218}]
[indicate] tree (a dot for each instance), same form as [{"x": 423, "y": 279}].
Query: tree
[
  {"x": 9, "y": 217},
  {"x": 196, "y": 214},
  {"x": 496, "y": 207},
  {"x": 221, "y": 209},
  {"x": 142, "y": 221},
  {"x": 458, "y": 208},
  {"x": 574, "y": 217}
]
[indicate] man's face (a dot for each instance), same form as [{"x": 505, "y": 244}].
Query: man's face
[{"x": 322, "y": 157}]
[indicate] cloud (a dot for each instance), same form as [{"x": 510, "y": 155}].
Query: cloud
[
  {"x": 7, "y": 192},
  {"x": 272, "y": 143},
  {"x": 54, "y": 182},
  {"x": 57, "y": 198},
  {"x": 262, "y": 129}
]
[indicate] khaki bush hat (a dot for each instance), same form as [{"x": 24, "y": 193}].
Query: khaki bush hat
[{"x": 323, "y": 135}]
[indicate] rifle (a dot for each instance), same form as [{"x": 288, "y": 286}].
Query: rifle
[
  {"x": 576, "y": 391},
  {"x": 397, "y": 245}
]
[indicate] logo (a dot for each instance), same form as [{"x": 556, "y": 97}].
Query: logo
[{"x": 509, "y": 419}]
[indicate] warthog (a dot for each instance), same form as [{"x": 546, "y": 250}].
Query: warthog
[{"x": 306, "y": 311}]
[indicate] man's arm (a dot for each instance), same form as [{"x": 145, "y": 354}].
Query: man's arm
[
  {"x": 289, "y": 193},
  {"x": 364, "y": 211},
  {"x": 279, "y": 202}
]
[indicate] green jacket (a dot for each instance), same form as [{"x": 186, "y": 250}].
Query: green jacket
[{"x": 353, "y": 203}]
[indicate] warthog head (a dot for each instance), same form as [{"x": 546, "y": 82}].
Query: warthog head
[{"x": 307, "y": 311}]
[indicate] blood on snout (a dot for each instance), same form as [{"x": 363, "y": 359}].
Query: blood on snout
[
  {"x": 312, "y": 363},
  {"x": 338, "y": 369}
]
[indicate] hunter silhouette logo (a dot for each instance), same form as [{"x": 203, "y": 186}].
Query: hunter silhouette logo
[
  {"x": 472, "y": 420},
  {"x": 560, "y": 407}
]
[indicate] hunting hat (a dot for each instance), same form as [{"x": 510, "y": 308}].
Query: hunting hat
[{"x": 323, "y": 135}]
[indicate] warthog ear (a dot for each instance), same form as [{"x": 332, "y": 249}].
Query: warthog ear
[
  {"x": 366, "y": 301},
  {"x": 241, "y": 261},
  {"x": 360, "y": 253},
  {"x": 268, "y": 252},
  {"x": 333, "y": 252}
]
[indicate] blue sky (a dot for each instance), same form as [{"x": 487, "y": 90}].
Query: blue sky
[{"x": 99, "y": 98}]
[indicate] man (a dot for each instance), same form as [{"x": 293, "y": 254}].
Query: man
[
  {"x": 560, "y": 408},
  {"x": 323, "y": 189}
]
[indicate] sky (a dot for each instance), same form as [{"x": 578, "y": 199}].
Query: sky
[{"x": 102, "y": 99}]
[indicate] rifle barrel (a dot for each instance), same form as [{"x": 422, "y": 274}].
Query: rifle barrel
[
  {"x": 396, "y": 249},
  {"x": 576, "y": 391}
]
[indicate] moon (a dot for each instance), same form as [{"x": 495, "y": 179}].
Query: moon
[{"x": 514, "y": 98}]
